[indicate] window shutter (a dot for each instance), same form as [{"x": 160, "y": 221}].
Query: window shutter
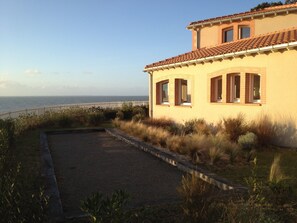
[
  {"x": 247, "y": 88},
  {"x": 176, "y": 91},
  {"x": 212, "y": 90},
  {"x": 158, "y": 94},
  {"x": 229, "y": 88}
]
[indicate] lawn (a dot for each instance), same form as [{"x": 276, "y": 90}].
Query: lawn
[{"x": 238, "y": 173}]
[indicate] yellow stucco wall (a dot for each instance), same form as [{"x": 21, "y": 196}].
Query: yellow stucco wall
[
  {"x": 209, "y": 36},
  {"x": 279, "y": 83},
  {"x": 212, "y": 35},
  {"x": 272, "y": 24}
]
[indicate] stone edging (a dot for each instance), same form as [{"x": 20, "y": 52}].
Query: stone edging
[
  {"x": 55, "y": 204},
  {"x": 178, "y": 161}
]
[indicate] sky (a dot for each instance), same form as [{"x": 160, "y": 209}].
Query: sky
[{"x": 95, "y": 47}]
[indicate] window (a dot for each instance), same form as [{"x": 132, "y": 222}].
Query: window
[
  {"x": 162, "y": 92},
  {"x": 244, "y": 32},
  {"x": 253, "y": 86},
  {"x": 227, "y": 35},
  {"x": 216, "y": 89},
  {"x": 182, "y": 92},
  {"x": 233, "y": 87}
]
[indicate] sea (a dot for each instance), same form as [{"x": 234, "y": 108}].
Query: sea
[{"x": 9, "y": 104}]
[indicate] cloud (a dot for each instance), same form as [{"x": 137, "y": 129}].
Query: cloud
[
  {"x": 32, "y": 72},
  {"x": 3, "y": 84},
  {"x": 88, "y": 73}
]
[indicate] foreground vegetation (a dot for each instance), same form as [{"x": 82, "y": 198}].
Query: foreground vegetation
[
  {"x": 22, "y": 197},
  {"x": 229, "y": 148}
]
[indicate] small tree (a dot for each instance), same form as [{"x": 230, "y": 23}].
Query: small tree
[
  {"x": 290, "y": 1},
  {"x": 266, "y": 5}
]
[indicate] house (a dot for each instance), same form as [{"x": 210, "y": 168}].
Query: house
[{"x": 241, "y": 63}]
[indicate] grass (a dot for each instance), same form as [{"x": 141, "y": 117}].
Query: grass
[{"x": 264, "y": 160}]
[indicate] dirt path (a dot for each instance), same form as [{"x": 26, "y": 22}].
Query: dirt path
[{"x": 96, "y": 162}]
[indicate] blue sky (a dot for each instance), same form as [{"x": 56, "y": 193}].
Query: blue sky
[{"x": 94, "y": 47}]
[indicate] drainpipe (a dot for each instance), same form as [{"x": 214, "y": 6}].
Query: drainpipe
[{"x": 151, "y": 94}]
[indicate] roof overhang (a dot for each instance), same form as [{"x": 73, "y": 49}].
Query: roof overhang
[
  {"x": 274, "y": 48},
  {"x": 242, "y": 17}
]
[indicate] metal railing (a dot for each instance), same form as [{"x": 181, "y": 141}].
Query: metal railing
[{"x": 42, "y": 110}]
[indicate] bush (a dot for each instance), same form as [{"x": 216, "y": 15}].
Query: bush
[
  {"x": 215, "y": 154},
  {"x": 248, "y": 141},
  {"x": 264, "y": 129},
  {"x": 234, "y": 127},
  {"x": 120, "y": 115},
  {"x": 110, "y": 113},
  {"x": 175, "y": 143},
  {"x": 164, "y": 123},
  {"x": 195, "y": 146},
  {"x": 65, "y": 121},
  {"x": 17, "y": 206},
  {"x": 8, "y": 127},
  {"x": 107, "y": 209},
  {"x": 198, "y": 200},
  {"x": 197, "y": 126},
  {"x": 96, "y": 118},
  {"x": 127, "y": 109},
  {"x": 138, "y": 117}
]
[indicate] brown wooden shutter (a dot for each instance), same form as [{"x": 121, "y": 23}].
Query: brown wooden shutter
[
  {"x": 228, "y": 88},
  {"x": 176, "y": 91},
  {"x": 212, "y": 90},
  {"x": 158, "y": 94},
  {"x": 247, "y": 88}
]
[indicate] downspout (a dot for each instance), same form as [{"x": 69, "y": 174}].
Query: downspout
[{"x": 151, "y": 94}]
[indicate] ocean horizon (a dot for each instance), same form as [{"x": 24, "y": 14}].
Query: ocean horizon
[{"x": 15, "y": 103}]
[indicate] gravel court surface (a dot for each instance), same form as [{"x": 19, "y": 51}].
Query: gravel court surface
[{"x": 96, "y": 162}]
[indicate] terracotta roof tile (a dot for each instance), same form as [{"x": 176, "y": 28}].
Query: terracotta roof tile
[
  {"x": 248, "y": 13},
  {"x": 270, "y": 39}
]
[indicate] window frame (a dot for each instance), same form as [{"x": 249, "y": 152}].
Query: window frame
[
  {"x": 179, "y": 83},
  {"x": 224, "y": 34},
  {"x": 233, "y": 88},
  {"x": 251, "y": 88},
  {"x": 162, "y": 101},
  {"x": 159, "y": 92},
  {"x": 214, "y": 89},
  {"x": 240, "y": 31}
]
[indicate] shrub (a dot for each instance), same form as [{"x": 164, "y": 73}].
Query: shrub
[
  {"x": 120, "y": 115},
  {"x": 65, "y": 121},
  {"x": 106, "y": 209},
  {"x": 175, "y": 143},
  {"x": 8, "y": 127},
  {"x": 276, "y": 175},
  {"x": 197, "y": 126},
  {"x": 233, "y": 151},
  {"x": 164, "y": 123},
  {"x": 264, "y": 202},
  {"x": 127, "y": 109},
  {"x": 195, "y": 145},
  {"x": 138, "y": 117},
  {"x": 215, "y": 154},
  {"x": 198, "y": 200},
  {"x": 234, "y": 127},
  {"x": 95, "y": 118},
  {"x": 110, "y": 113},
  {"x": 16, "y": 204},
  {"x": 248, "y": 141},
  {"x": 264, "y": 129}
]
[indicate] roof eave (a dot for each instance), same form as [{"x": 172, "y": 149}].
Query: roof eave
[
  {"x": 225, "y": 56},
  {"x": 241, "y": 17}
]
